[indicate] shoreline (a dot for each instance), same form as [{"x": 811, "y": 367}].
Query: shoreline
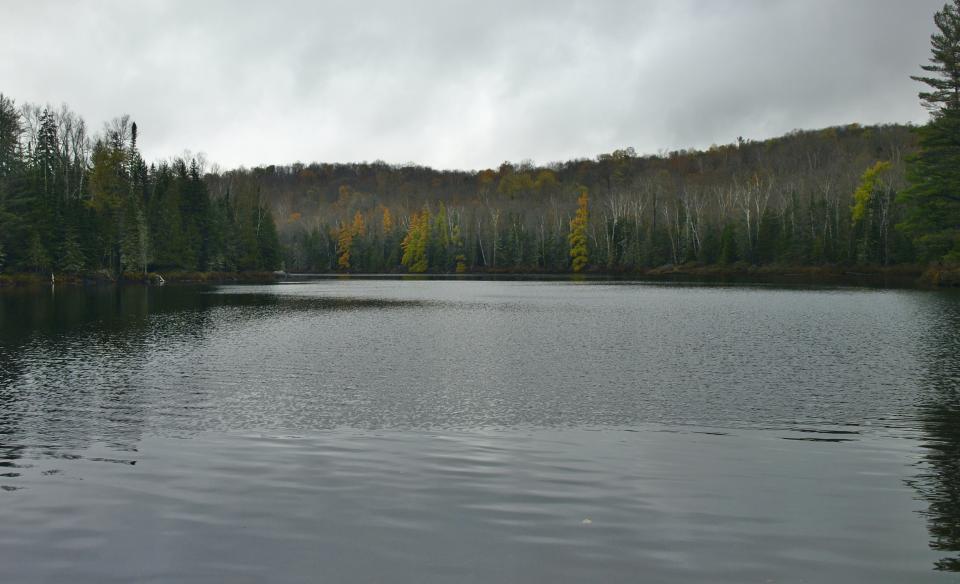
[
  {"x": 908, "y": 277},
  {"x": 901, "y": 276},
  {"x": 93, "y": 279}
]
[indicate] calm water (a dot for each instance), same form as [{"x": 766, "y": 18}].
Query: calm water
[{"x": 448, "y": 431}]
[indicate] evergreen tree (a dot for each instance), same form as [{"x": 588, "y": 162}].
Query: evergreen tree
[
  {"x": 441, "y": 256},
  {"x": 133, "y": 248},
  {"x": 268, "y": 243},
  {"x": 11, "y": 127},
  {"x": 933, "y": 199},
  {"x": 729, "y": 247},
  {"x": 944, "y": 64},
  {"x": 248, "y": 255},
  {"x": 168, "y": 241},
  {"x": 37, "y": 257},
  {"x": 72, "y": 259}
]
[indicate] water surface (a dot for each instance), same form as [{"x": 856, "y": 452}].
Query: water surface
[{"x": 436, "y": 431}]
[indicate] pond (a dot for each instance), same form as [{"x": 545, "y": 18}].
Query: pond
[{"x": 364, "y": 430}]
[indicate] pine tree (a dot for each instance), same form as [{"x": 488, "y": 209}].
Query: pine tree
[
  {"x": 933, "y": 198},
  {"x": 944, "y": 85}
]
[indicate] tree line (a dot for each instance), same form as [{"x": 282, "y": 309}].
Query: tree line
[
  {"x": 850, "y": 195},
  {"x": 784, "y": 201},
  {"x": 72, "y": 202},
  {"x": 847, "y": 195}
]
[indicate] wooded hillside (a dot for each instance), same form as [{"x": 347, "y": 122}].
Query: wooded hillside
[{"x": 787, "y": 200}]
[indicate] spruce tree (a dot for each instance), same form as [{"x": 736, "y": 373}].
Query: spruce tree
[
  {"x": 134, "y": 242},
  {"x": 729, "y": 253},
  {"x": 72, "y": 260},
  {"x": 37, "y": 257},
  {"x": 269, "y": 243}
]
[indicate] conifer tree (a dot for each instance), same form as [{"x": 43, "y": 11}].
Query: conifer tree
[
  {"x": 416, "y": 243},
  {"x": 933, "y": 199},
  {"x": 133, "y": 247},
  {"x": 729, "y": 252},
  {"x": 578, "y": 233},
  {"x": 72, "y": 260},
  {"x": 944, "y": 93},
  {"x": 268, "y": 243},
  {"x": 344, "y": 246},
  {"x": 37, "y": 256},
  {"x": 441, "y": 240}
]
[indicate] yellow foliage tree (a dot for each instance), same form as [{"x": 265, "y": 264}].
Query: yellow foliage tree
[
  {"x": 387, "y": 222},
  {"x": 866, "y": 189},
  {"x": 359, "y": 225},
  {"x": 578, "y": 233},
  {"x": 344, "y": 245},
  {"x": 415, "y": 243},
  {"x": 345, "y": 237}
]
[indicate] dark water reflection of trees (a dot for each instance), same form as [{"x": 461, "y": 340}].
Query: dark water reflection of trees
[
  {"x": 48, "y": 335},
  {"x": 938, "y": 482},
  {"x": 75, "y": 363},
  {"x": 127, "y": 323}
]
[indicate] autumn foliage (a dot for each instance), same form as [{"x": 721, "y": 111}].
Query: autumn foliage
[{"x": 578, "y": 234}]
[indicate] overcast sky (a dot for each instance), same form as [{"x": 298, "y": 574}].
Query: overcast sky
[{"x": 465, "y": 84}]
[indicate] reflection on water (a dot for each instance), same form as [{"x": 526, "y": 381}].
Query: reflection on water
[
  {"x": 466, "y": 430},
  {"x": 939, "y": 480}
]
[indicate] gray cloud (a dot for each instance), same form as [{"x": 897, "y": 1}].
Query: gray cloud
[{"x": 466, "y": 84}]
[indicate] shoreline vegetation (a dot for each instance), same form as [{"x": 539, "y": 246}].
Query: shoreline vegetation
[
  {"x": 828, "y": 200},
  {"x": 103, "y": 278},
  {"x": 899, "y": 276}
]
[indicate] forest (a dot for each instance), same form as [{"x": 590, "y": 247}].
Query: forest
[
  {"x": 72, "y": 203},
  {"x": 75, "y": 202},
  {"x": 808, "y": 198}
]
